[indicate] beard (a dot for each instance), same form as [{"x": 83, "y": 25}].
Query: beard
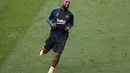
[{"x": 65, "y": 7}]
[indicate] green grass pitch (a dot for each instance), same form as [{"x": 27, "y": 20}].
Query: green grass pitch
[{"x": 98, "y": 43}]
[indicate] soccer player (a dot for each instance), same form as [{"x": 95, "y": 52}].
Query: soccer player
[{"x": 61, "y": 21}]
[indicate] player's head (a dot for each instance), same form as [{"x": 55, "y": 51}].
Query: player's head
[{"x": 65, "y": 4}]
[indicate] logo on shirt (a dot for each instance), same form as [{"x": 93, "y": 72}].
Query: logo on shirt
[
  {"x": 57, "y": 14},
  {"x": 61, "y": 21},
  {"x": 67, "y": 16}
]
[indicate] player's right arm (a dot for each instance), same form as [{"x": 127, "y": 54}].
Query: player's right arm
[{"x": 50, "y": 18}]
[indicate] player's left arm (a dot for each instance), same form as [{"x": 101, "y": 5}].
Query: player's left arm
[{"x": 71, "y": 22}]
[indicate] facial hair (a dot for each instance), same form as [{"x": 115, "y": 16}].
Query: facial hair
[{"x": 65, "y": 8}]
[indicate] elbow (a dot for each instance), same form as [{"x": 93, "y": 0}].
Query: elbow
[
  {"x": 71, "y": 25},
  {"x": 49, "y": 21}
]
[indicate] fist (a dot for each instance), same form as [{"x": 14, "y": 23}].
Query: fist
[
  {"x": 67, "y": 28},
  {"x": 53, "y": 25}
]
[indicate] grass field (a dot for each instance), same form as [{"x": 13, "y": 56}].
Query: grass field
[{"x": 99, "y": 42}]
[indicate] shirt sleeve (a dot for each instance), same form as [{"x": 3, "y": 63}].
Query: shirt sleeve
[
  {"x": 71, "y": 23},
  {"x": 50, "y": 17}
]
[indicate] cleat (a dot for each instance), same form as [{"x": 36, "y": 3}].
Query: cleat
[
  {"x": 49, "y": 72},
  {"x": 41, "y": 53}
]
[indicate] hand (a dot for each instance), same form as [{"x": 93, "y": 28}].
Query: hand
[
  {"x": 67, "y": 28},
  {"x": 53, "y": 25}
]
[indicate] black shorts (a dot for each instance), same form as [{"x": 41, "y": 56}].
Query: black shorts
[{"x": 57, "y": 43}]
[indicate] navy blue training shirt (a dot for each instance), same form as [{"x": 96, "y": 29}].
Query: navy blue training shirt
[{"x": 61, "y": 18}]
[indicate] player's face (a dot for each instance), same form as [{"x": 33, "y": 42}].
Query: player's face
[{"x": 66, "y": 3}]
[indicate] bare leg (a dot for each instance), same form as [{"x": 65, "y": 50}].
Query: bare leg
[
  {"x": 56, "y": 59},
  {"x": 55, "y": 62}
]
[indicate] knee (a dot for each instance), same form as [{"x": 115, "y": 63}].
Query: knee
[{"x": 45, "y": 51}]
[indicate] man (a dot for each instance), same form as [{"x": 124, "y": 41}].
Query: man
[{"x": 61, "y": 21}]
